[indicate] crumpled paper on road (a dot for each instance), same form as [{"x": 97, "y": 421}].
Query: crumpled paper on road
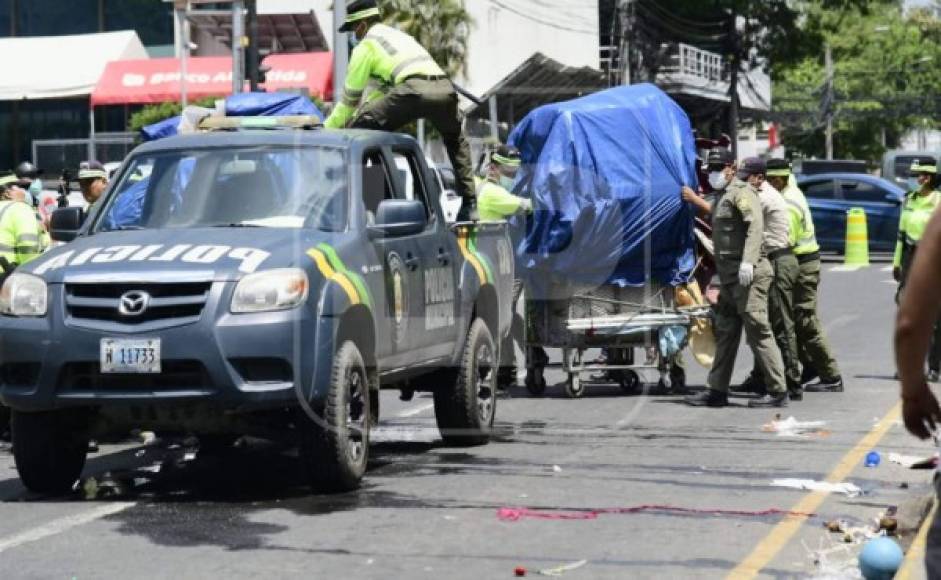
[
  {"x": 913, "y": 462},
  {"x": 847, "y": 489},
  {"x": 791, "y": 427}
]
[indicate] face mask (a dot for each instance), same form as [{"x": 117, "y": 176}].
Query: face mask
[
  {"x": 354, "y": 42},
  {"x": 35, "y": 188},
  {"x": 717, "y": 180},
  {"x": 913, "y": 184},
  {"x": 507, "y": 182}
]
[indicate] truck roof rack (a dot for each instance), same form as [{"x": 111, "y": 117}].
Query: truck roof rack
[{"x": 213, "y": 123}]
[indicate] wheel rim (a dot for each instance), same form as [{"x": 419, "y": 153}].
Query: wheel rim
[
  {"x": 357, "y": 419},
  {"x": 484, "y": 373}
]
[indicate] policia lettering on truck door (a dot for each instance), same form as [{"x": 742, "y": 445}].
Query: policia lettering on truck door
[
  {"x": 746, "y": 276},
  {"x": 920, "y": 204},
  {"x": 416, "y": 87}
]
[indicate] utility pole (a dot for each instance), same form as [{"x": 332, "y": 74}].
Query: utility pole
[
  {"x": 238, "y": 46},
  {"x": 252, "y": 55},
  {"x": 341, "y": 53},
  {"x": 829, "y": 100},
  {"x": 181, "y": 7},
  {"x": 733, "y": 81}
]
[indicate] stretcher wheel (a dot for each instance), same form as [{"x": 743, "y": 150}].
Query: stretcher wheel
[
  {"x": 574, "y": 387},
  {"x": 535, "y": 382},
  {"x": 630, "y": 382}
]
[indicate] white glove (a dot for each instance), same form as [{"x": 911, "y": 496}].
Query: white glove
[
  {"x": 526, "y": 205},
  {"x": 746, "y": 274}
]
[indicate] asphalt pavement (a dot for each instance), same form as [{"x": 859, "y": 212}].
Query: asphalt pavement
[{"x": 617, "y": 486}]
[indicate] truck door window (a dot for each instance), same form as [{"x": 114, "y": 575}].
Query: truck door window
[
  {"x": 376, "y": 184},
  {"x": 410, "y": 180}
]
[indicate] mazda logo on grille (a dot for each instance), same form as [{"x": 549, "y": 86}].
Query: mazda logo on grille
[{"x": 133, "y": 303}]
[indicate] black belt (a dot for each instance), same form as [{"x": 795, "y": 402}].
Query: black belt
[
  {"x": 804, "y": 258},
  {"x": 425, "y": 78},
  {"x": 778, "y": 253}
]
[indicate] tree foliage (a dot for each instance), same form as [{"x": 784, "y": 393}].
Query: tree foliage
[
  {"x": 885, "y": 78},
  {"x": 441, "y": 26}
]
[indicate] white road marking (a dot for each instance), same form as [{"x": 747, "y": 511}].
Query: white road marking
[
  {"x": 887, "y": 269},
  {"x": 417, "y": 410},
  {"x": 62, "y": 525},
  {"x": 846, "y": 268}
]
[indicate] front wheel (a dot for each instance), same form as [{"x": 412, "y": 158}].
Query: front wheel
[
  {"x": 49, "y": 448},
  {"x": 335, "y": 440},
  {"x": 466, "y": 407}
]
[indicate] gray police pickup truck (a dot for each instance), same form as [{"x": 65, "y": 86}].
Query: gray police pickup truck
[{"x": 254, "y": 282}]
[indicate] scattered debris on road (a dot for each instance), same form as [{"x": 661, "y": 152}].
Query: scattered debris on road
[
  {"x": 913, "y": 462},
  {"x": 560, "y": 570},
  {"x": 515, "y": 514},
  {"x": 791, "y": 427},
  {"x": 848, "y": 489}
]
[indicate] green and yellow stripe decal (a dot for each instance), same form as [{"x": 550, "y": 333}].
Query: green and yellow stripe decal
[
  {"x": 467, "y": 242},
  {"x": 333, "y": 269}
]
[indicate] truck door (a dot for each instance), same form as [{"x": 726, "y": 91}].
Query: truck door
[
  {"x": 400, "y": 312},
  {"x": 436, "y": 331}
]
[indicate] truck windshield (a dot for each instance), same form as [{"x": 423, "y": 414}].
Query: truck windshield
[{"x": 274, "y": 187}]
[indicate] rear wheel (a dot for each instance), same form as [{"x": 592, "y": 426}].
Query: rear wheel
[
  {"x": 335, "y": 442},
  {"x": 629, "y": 381},
  {"x": 50, "y": 448},
  {"x": 536, "y": 381},
  {"x": 574, "y": 387},
  {"x": 465, "y": 407}
]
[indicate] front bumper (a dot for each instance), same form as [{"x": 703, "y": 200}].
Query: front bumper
[{"x": 240, "y": 362}]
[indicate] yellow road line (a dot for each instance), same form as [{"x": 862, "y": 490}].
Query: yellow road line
[
  {"x": 781, "y": 534},
  {"x": 916, "y": 553}
]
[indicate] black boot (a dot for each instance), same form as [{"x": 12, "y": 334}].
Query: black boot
[
  {"x": 753, "y": 384},
  {"x": 708, "y": 398},
  {"x": 834, "y": 385},
  {"x": 770, "y": 400},
  {"x": 468, "y": 211},
  {"x": 808, "y": 374}
]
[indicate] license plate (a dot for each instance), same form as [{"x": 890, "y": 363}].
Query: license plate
[{"x": 130, "y": 356}]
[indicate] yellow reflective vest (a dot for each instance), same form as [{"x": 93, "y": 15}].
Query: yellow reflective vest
[
  {"x": 916, "y": 212},
  {"x": 494, "y": 202},
  {"x": 803, "y": 235},
  {"x": 21, "y": 235},
  {"x": 386, "y": 55}
]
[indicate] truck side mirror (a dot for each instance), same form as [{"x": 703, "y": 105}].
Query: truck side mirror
[
  {"x": 65, "y": 223},
  {"x": 399, "y": 217}
]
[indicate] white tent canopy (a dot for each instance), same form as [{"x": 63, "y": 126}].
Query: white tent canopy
[{"x": 48, "y": 67}]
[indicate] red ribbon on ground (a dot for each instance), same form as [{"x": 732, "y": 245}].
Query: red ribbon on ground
[{"x": 515, "y": 514}]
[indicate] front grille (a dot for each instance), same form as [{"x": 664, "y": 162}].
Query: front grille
[
  {"x": 175, "y": 375},
  {"x": 178, "y": 303}
]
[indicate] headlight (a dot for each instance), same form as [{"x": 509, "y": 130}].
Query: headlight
[
  {"x": 24, "y": 295},
  {"x": 272, "y": 290}
]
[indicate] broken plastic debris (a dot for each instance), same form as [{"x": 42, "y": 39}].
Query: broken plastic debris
[
  {"x": 873, "y": 459},
  {"x": 889, "y": 524},
  {"x": 556, "y": 469},
  {"x": 147, "y": 437},
  {"x": 189, "y": 456},
  {"x": 847, "y": 489},
  {"x": 519, "y": 571},
  {"x": 791, "y": 427},
  {"x": 155, "y": 468},
  {"x": 559, "y": 570},
  {"x": 913, "y": 462}
]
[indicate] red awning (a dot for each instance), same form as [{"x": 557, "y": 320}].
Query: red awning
[{"x": 156, "y": 80}]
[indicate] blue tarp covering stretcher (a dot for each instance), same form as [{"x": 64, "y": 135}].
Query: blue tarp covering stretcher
[{"x": 605, "y": 173}]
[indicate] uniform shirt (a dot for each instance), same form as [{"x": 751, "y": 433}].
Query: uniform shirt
[
  {"x": 737, "y": 227},
  {"x": 803, "y": 234},
  {"x": 777, "y": 231},
  {"x": 915, "y": 215},
  {"x": 20, "y": 233},
  {"x": 386, "y": 55},
  {"x": 496, "y": 203}
]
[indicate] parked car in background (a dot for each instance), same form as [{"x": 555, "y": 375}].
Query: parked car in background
[
  {"x": 818, "y": 166},
  {"x": 830, "y": 195},
  {"x": 897, "y": 162}
]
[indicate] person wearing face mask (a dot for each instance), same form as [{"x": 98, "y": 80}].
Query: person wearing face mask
[
  {"x": 415, "y": 87},
  {"x": 746, "y": 276},
  {"x": 29, "y": 174},
  {"x": 920, "y": 204},
  {"x": 495, "y": 202}
]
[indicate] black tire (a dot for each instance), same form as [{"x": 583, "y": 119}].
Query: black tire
[
  {"x": 535, "y": 382},
  {"x": 574, "y": 386},
  {"x": 335, "y": 443},
  {"x": 465, "y": 407},
  {"x": 629, "y": 382},
  {"x": 50, "y": 448},
  {"x": 678, "y": 379}
]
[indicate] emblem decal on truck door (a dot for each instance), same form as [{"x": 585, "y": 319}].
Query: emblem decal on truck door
[{"x": 398, "y": 293}]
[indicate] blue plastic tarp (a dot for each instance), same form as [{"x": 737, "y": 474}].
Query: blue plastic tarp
[
  {"x": 244, "y": 105},
  {"x": 605, "y": 172}
]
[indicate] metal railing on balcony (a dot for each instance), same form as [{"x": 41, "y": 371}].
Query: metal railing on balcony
[{"x": 695, "y": 62}]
